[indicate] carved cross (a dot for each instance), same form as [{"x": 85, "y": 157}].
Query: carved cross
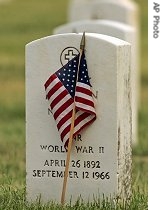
[{"x": 70, "y": 55}]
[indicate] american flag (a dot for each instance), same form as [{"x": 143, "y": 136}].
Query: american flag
[{"x": 64, "y": 88}]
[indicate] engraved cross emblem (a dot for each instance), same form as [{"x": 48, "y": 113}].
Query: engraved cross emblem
[{"x": 70, "y": 55}]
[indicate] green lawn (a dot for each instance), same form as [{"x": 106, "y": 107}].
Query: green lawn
[{"x": 22, "y": 21}]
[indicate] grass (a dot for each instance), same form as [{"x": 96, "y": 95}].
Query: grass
[
  {"x": 15, "y": 199},
  {"x": 21, "y": 22}
]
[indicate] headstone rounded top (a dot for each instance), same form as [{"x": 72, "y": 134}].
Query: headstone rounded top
[
  {"x": 120, "y": 3},
  {"x": 95, "y": 26},
  {"x": 122, "y": 11},
  {"x": 77, "y": 37}
]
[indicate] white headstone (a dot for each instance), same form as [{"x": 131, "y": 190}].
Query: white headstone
[
  {"x": 107, "y": 27},
  {"x": 121, "y": 31},
  {"x": 101, "y": 154},
  {"x": 122, "y": 11}
]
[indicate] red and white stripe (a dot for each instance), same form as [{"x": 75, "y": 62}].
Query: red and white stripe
[{"x": 62, "y": 103}]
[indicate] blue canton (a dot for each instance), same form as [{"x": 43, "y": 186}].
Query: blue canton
[{"x": 68, "y": 74}]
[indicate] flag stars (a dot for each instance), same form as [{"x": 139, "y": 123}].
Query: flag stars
[
  {"x": 68, "y": 74},
  {"x": 69, "y": 79}
]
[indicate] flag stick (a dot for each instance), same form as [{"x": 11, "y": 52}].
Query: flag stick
[{"x": 82, "y": 45}]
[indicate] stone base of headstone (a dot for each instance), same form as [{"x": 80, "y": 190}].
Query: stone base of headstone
[{"x": 101, "y": 155}]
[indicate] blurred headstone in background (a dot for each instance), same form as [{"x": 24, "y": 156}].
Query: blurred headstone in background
[
  {"x": 118, "y": 30},
  {"x": 123, "y": 11},
  {"x": 101, "y": 155}
]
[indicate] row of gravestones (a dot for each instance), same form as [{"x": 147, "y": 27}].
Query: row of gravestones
[{"x": 101, "y": 154}]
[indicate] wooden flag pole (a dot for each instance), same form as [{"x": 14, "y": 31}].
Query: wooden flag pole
[
  {"x": 68, "y": 157},
  {"x": 82, "y": 46}
]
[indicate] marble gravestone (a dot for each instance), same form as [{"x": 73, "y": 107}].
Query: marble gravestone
[
  {"x": 121, "y": 31},
  {"x": 123, "y": 10},
  {"x": 101, "y": 154},
  {"x": 85, "y": 10}
]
